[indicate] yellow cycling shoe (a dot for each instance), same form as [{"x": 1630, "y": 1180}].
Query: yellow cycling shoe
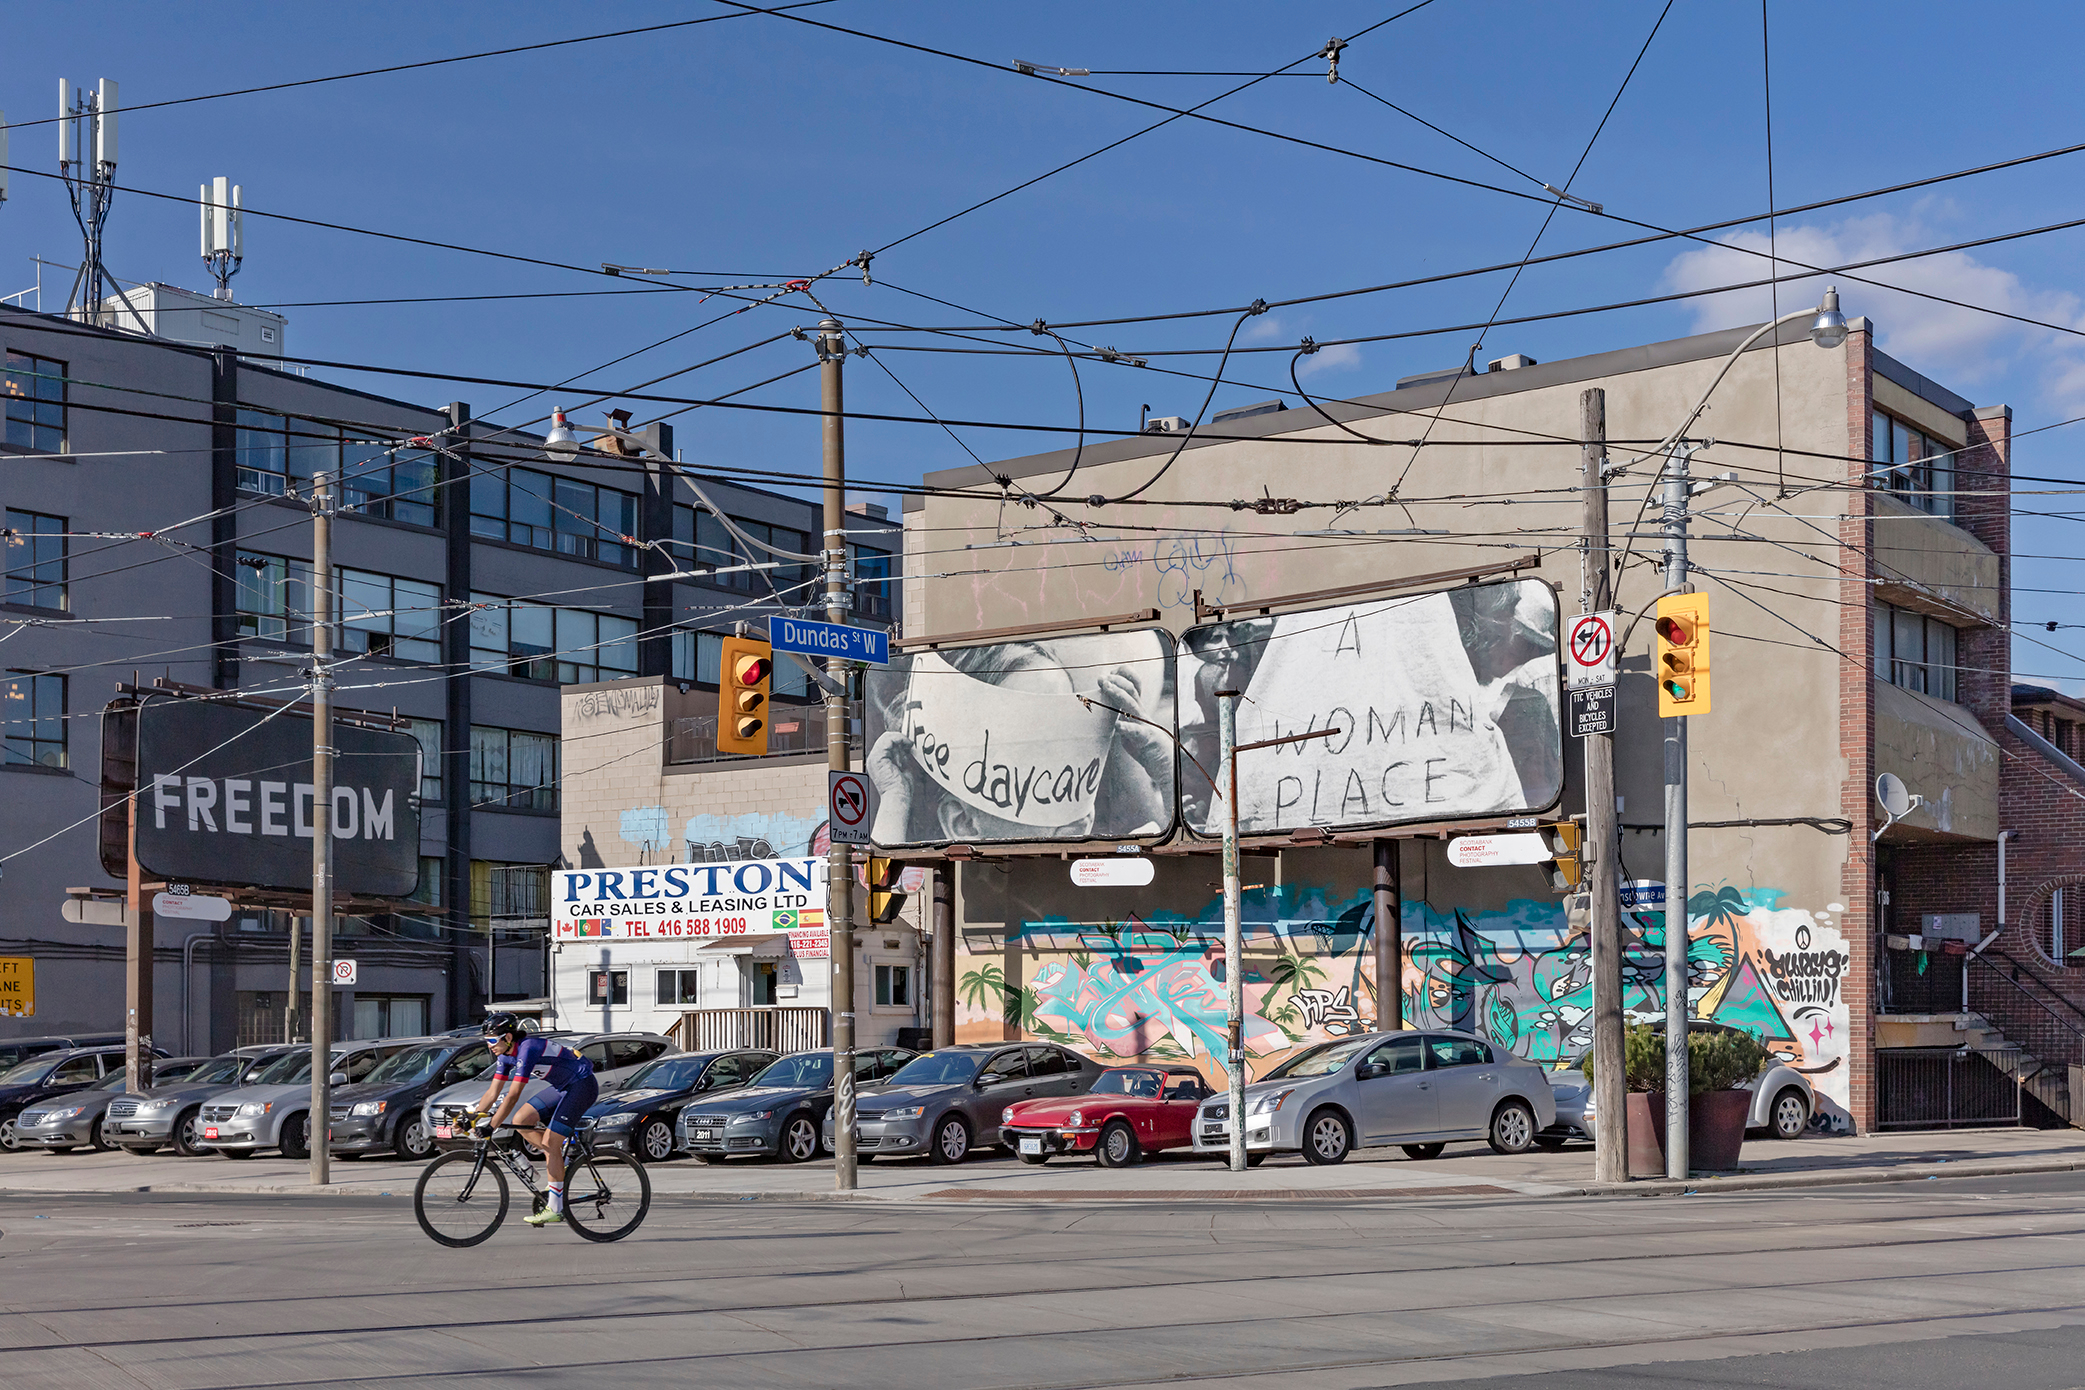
[{"x": 545, "y": 1217}]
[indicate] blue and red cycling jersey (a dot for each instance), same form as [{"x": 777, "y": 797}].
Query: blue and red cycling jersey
[{"x": 543, "y": 1060}]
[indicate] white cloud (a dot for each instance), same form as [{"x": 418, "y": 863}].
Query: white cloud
[
  {"x": 1263, "y": 329},
  {"x": 1956, "y": 346},
  {"x": 1336, "y": 358}
]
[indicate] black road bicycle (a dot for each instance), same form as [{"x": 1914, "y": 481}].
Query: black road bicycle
[{"x": 461, "y": 1197}]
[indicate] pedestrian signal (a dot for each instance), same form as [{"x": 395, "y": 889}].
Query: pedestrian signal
[
  {"x": 1682, "y": 659},
  {"x": 743, "y": 693}
]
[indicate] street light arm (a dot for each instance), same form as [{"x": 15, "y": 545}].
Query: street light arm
[{"x": 1728, "y": 363}]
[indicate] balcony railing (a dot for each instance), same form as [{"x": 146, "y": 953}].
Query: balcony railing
[
  {"x": 775, "y": 1027},
  {"x": 792, "y": 729}
]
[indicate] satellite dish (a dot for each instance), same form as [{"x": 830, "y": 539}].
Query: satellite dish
[{"x": 1897, "y": 800}]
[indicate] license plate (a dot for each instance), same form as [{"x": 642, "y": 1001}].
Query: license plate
[
  {"x": 445, "y": 1131},
  {"x": 209, "y": 1131},
  {"x": 704, "y": 1134},
  {"x": 1030, "y": 1145}
]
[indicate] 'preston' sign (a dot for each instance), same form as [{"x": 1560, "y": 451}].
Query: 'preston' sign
[{"x": 742, "y": 897}]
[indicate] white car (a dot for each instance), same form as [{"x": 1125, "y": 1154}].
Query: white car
[{"x": 273, "y": 1111}]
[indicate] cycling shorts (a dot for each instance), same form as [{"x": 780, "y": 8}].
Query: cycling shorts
[{"x": 561, "y": 1110}]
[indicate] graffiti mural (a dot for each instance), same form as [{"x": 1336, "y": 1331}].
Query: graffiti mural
[{"x": 715, "y": 839}]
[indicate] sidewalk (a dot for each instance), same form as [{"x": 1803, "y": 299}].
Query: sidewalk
[{"x": 1466, "y": 1170}]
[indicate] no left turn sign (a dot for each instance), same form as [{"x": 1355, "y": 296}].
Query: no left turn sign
[{"x": 1590, "y": 644}]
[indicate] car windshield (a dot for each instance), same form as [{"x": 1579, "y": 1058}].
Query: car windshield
[
  {"x": 1126, "y": 1082},
  {"x": 217, "y": 1069},
  {"x": 1322, "y": 1060},
  {"x": 413, "y": 1064},
  {"x": 666, "y": 1074},
  {"x": 27, "y": 1072},
  {"x": 806, "y": 1071},
  {"x": 938, "y": 1069},
  {"x": 286, "y": 1070}
]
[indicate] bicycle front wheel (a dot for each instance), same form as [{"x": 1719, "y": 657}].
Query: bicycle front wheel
[
  {"x": 458, "y": 1202},
  {"x": 607, "y": 1196}
]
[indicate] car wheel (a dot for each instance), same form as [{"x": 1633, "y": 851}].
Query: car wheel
[
  {"x": 1790, "y": 1115},
  {"x": 100, "y": 1144},
  {"x": 951, "y": 1140},
  {"x": 412, "y": 1141},
  {"x": 187, "y": 1134},
  {"x": 1551, "y": 1143},
  {"x": 1118, "y": 1146},
  {"x": 653, "y": 1140},
  {"x": 7, "y": 1139},
  {"x": 1512, "y": 1128},
  {"x": 1327, "y": 1137},
  {"x": 1423, "y": 1152},
  {"x": 295, "y": 1143},
  {"x": 799, "y": 1143}
]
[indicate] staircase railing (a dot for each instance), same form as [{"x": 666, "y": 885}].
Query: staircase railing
[{"x": 2033, "y": 1015}]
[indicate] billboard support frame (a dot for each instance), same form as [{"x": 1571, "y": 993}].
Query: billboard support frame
[
  {"x": 1264, "y": 606},
  {"x": 971, "y": 639}
]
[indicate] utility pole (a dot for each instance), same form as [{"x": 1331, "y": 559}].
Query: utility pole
[
  {"x": 839, "y": 872},
  {"x": 1677, "y": 495},
  {"x": 139, "y": 935},
  {"x": 318, "y": 1122},
  {"x": 1389, "y": 904},
  {"x": 1601, "y": 849}
]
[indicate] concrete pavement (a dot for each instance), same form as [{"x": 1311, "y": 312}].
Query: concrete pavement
[{"x": 1465, "y": 1170}]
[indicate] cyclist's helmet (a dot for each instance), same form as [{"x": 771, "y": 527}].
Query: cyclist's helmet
[{"x": 501, "y": 1023}]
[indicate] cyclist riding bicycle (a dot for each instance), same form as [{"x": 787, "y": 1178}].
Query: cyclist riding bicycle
[{"x": 549, "y": 1120}]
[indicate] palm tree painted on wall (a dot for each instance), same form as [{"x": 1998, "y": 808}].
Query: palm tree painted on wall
[{"x": 984, "y": 989}]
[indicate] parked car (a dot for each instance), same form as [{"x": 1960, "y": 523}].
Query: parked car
[
  {"x": 171, "y": 1115},
  {"x": 1420, "y": 1090},
  {"x": 616, "y": 1056},
  {"x": 1131, "y": 1111},
  {"x": 943, "y": 1104},
  {"x": 273, "y": 1111},
  {"x": 1782, "y": 1101},
  {"x": 54, "y": 1073},
  {"x": 781, "y": 1113},
  {"x": 15, "y": 1051},
  {"x": 383, "y": 1112},
  {"x": 638, "y": 1117},
  {"x": 66, "y": 1122}
]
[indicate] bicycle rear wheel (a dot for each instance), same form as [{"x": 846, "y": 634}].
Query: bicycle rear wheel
[
  {"x": 606, "y": 1196},
  {"x": 458, "y": 1203}
]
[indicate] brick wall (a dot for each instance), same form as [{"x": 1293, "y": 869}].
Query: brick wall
[{"x": 1857, "y": 737}]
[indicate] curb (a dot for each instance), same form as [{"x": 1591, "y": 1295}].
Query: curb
[{"x": 1767, "y": 1182}]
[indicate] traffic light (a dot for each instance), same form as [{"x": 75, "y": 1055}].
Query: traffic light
[
  {"x": 1566, "y": 864},
  {"x": 742, "y": 696},
  {"x": 885, "y": 897},
  {"x": 1683, "y": 655}
]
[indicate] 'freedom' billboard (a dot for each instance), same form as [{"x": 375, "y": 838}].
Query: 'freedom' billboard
[{"x": 225, "y": 797}]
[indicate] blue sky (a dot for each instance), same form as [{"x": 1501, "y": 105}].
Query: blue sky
[{"x": 760, "y": 145}]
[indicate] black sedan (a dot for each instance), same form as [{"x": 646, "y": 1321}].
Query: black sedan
[
  {"x": 381, "y": 1112},
  {"x": 638, "y": 1116},
  {"x": 779, "y": 1114}
]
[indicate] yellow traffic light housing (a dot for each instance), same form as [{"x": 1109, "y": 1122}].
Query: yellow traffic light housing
[
  {"x": 885, "y": 897},
  {"x": 743, "y": 694},
  {"x": 1566, "y": 865},
  {"x": 1682, "y": 659}
]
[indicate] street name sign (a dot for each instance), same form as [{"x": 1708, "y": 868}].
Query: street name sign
[
  {"x": 1643, "y": 893},
  {"x": 1484, "y": 851},
  {"x": 808, "y": 638}
]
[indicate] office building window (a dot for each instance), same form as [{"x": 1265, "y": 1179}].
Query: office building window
[
  {"x": 35, "y": 403},
  {"x": 571, "y": 646},
  {"x": 699, "y": 538},
  {"x": 513, "y": 769},
  {"x": 380, "y": 614},
  {"x": 36, "y": 559},
  {"x": 893, "y": 985},
  {"x": 680, "y": 987},
  {"x": 1916, "y": 467},
  {"x": 610, "y": 987},
  {"x": 1914, "y": 651},
  {"x": 429, "y": 734},
  {"x": 699, "y": 657},
  {"x": 390, "y": 1016},
  {"x": 401, "y": 486},
  {"x": 278, "y": 455},
  {"x": 535, "y": 509},
  {"x": 874, "y": 571},
  {"x": 34, "y": 705}
]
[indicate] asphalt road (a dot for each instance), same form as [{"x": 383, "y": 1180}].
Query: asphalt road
[{"x": 1943, "y": 1283}]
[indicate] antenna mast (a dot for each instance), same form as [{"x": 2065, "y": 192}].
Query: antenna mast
[
  {"x": 224, "y": 232},
  {"x": 87, "y": 163}
]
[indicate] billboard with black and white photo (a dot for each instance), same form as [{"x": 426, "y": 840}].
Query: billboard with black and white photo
[
  {"x": 1446, "y": 703},
  {"x": 225, "y": 797},
  {"x": 1057, "y": 738}
]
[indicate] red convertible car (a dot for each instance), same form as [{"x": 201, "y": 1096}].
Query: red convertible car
[{"x": 1131, "y": 1111}]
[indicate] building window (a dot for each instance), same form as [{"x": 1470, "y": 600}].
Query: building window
[
  {"x": 873, "y": 572},
  {"x": 429, "y": 734},
  {"x": 571, "y": 646},
  {"x": 535, "y": 509},
  {"x": 700, "y": 538},
  {"x": 1914, "y": 651},
  {"x": 680, "y": 987},
  {"x": 400, "y": 486},
  {"x": 390, "y": 1016},
  {"x": 36, "y": 559},
  {"x": 511, "y": 893},
  {"x": 609, "y": 987},
  {"x": 1915, "y": 466},
  {"x": 35, "y": 717},
  {"x": 513, "y": 769},
  {"x": 2061, "y": 938},
  {"x": 35, "y": 403},
  {"x": 381, "y": 615},
  {"x": 893, "y": 986},
  {"x": 276, "y": 454}
]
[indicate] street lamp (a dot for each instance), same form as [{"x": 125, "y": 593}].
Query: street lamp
[{"x": 560, "y": 444}]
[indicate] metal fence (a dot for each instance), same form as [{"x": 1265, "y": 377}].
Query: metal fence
[
  {"x": 776, "y": 1027},
  {"x": 1943, "y": 1088}
]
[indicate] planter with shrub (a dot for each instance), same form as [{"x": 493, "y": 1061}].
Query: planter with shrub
[{"x": 1718, "y": 1061}]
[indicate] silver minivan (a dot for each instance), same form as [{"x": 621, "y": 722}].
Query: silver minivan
[{"x": 1420, "y": 1090}]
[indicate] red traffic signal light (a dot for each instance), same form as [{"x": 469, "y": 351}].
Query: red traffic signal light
[
  {"x": 1683, "y": 655},
  {"x": 742, "y": 696}
]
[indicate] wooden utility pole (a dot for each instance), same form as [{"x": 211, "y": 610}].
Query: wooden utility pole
[
  {"x": 1600, "y": 851},
  {"x": 839, "y": 903},
  {"x": 137, "y": 966}
]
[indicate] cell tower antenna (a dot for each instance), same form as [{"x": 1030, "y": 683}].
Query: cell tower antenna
[
  {"x": 87, "y": 163},
  {"x": 224, "y": 232}
]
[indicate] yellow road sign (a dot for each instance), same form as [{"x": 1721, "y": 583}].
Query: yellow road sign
[{"x": 17, "y": 987}]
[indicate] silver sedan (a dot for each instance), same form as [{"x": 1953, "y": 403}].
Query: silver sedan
[{"x": 1420, "y": 1090}]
